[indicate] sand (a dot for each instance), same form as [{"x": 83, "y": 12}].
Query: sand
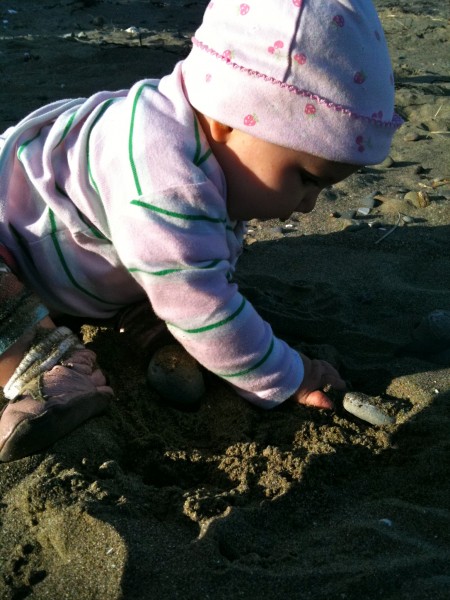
[{"x": 229, "y": 501}]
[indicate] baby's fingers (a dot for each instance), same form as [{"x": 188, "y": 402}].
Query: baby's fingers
[
  {"x": 319, "y": 376},
  {"x": 330, "y": 377},
  {"x": 317, "y": 399}
]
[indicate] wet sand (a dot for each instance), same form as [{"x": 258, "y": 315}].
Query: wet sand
[{"x": 229, "y": 501}]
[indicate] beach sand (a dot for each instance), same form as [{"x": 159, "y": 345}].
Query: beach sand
[{"x": 229, "y": 501}]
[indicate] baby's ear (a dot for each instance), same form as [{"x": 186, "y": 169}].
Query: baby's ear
[{"x": 219, "y": 132}]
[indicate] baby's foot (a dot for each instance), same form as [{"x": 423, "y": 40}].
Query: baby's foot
[{"x": 56, "y": 387}]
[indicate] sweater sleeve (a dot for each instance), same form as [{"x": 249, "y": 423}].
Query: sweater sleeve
[{"x": 175, "y": 246}]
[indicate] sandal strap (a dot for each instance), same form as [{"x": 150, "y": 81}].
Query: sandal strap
[{"x": 47, "y": 349}]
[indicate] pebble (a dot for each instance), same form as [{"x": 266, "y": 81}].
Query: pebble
[
  {"x": 176, "y": 375},
  {"x": 363, "y": 210},
  {"x": 133, "y": 31},
  {"x": 387, "y": 522},
  {"x": 360, "y": 405},
  {"x": 109, "y": 469},
  {"x": 418, "y": 199},
  {"x": 412, "y": 136},
  {"x": 369, "y": 201}
]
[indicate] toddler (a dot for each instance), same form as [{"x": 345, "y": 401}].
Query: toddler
[{"x": 135, "y": 202}]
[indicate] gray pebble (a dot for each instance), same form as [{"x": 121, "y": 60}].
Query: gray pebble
[
  {"x": 369, "y": 201},
  {"x": 109, "y": 469},
  {"x": 360, "y": 405},
  {"x": 363, "y": 210},
  {"x": 176, "y": 375}
]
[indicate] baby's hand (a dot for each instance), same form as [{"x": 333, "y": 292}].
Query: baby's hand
[{"x": 318, "y": 374}]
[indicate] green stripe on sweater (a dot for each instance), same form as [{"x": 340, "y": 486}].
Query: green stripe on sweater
[
  {"x": 213, "y": 325},
  {"x": 131, "y": 134},
  {"x": 176, "y": 215},
  {"x": 250, "y": 369},
  {"x": 58, "y": 249},
  {"x": 163, "y": 272},
  {"x": 100, "y": 114}
]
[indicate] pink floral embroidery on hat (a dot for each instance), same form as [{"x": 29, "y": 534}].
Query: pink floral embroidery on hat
[
  {"x": 338, "y": 21},
  {"x": 250, "y": 120},
  {"x": 362, "y": 142},
  {"x": 228, "y": 54},
  {"x": 244, "y": 9},
  {"x": 310, "y": 110},
  {"x": 208, "y": 77},
  {"x": 359, "y": 77},
  {"x": 297, "y": 3},
  {"x": 300, "y": 58},
  {"x": 275, "y": 49}
]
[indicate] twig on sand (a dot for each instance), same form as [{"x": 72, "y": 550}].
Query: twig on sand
[
  {"x": 391, "y": 229},
  {"x": 438, "y": 111}
]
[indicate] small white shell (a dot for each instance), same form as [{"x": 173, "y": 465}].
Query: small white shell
[
  {"x": 133, "y": 31},
  {"x": 360, "y": 406}
]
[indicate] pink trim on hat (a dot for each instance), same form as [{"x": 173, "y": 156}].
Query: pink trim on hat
[{"x": 394, "y": 123}]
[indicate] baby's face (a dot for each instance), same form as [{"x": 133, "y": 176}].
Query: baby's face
[{"x": 267, "y": 181}]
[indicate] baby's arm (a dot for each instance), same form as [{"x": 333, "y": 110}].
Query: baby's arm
[{"x": 318, "y": 375}]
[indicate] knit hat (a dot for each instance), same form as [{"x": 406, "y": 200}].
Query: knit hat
[{"x": 311, "y": 75}]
